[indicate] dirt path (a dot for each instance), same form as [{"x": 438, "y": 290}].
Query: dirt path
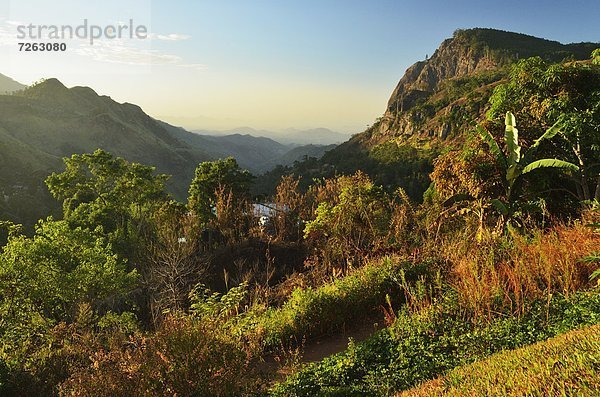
[{"x": 319, "y": 348}]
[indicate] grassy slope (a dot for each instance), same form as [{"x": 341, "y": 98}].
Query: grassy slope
[
  {"x": 566, "y": 365},
  {"x": 423, "y": 346},
  {"x": 313, "y": 312}
]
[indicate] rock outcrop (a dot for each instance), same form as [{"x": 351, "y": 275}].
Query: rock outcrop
[{"x": 468, "y": 53}]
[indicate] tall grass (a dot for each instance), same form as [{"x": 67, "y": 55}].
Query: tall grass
[{"x": 502, "y": 273}]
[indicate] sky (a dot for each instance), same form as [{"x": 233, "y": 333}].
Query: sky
[{"x": 266, "y": 64}]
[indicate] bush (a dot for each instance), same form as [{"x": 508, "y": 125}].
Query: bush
[
  {"x": 356, "y": 220},
  {"x": 352, "y": 224},
  {"x": 185, "y": 357}
]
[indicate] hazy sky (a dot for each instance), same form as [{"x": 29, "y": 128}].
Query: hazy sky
[{"x": 267, "y": 64}]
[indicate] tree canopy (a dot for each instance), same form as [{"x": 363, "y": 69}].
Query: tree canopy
[
  {"x": 99, "y": 189},
  {"x": 211, "y": 176}
]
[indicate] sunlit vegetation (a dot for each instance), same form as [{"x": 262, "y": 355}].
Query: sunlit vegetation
[
  {"x": 459, "y": 255},
  {"x": 428, "y": 343},
  {"x": 565, "y": 365}
]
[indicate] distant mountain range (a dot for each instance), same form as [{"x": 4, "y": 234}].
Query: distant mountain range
[
  {"x": 254, "y": 152},
  {"x": 48, "y": 121},
  {"x": 8, "y": 85},
  {"x": 289, "y": 136}
]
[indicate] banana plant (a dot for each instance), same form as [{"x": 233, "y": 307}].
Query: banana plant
[{"x": 517, "y": 162}]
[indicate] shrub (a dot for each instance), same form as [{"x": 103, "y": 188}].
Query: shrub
[
  {"x": 185, "y": 356},
  {"x": 196, "y": 354},
  {"x": 356, "y": 220},
  {"x": 351, "y": 225}
]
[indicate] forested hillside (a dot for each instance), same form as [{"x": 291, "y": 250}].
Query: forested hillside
[{"x": 47, "y": 121}]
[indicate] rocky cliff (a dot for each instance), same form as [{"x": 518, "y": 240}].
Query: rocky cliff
[{"x": 427, "y": 101}]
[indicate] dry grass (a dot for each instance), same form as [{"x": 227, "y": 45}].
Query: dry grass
[
  {"x": 566, "y": 365},
  {"x": 504, "y": 272}
]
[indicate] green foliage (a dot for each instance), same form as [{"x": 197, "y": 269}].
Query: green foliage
[
  {"x": 313, "y": 311},
  {"x": 424, "y": 346},
  {"x": 562, "y": 366},
  {"x": 595, "y": 256},
  {"x": 543, "y": 95},
  {"x": 596, "y": 56},
  {"x": 389, "y": 164},
  {"x": 507, "y": 46},
  {"x": 101, "y": 190},
  {"x": 44, "y": 278},
  {"x": 125, "y": 323},
  {"x": 514, "y": 165},
  {"x": 211, "y": 176},
  {"x": 488, "y": 139},
  {"x": 209, "y": 306},
  {"x": 392, "y": 153},
  {"x": 517, "y": 163},
  {"x": 460, "y": 87}
]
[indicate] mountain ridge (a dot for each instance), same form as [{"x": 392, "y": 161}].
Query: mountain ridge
[
  {"x": 8, "y": 85},
  {"x": 43, "y": 123},
  {"x": 288, "y": 136}
]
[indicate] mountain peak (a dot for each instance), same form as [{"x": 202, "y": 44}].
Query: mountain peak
[
  {"x": 48, "y": 88},
  {"x": 471, "y": 51},
  {"x": 52, "y": 84}
]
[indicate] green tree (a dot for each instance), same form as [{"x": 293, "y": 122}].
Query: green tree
[
  {"x": 99, "y": 189},
  {"x": 211, "y": 176},
  {"x": 44, "y": 279}
]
